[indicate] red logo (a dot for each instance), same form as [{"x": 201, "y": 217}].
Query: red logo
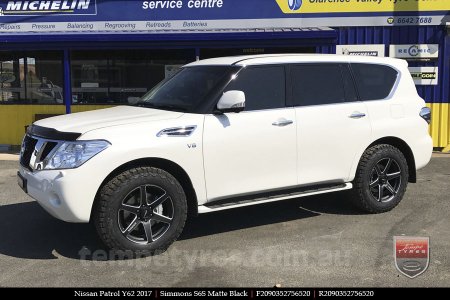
[{"x": 412, "y": 255}]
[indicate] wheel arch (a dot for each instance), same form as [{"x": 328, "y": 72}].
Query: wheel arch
[
  {"x": 164, "y": 164},
  {"x": 405, "y": 149}
]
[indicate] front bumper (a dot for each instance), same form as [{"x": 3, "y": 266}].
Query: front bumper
[{"x": 67, "y": 195}]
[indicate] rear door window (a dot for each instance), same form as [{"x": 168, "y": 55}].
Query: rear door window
[{"x": 319, "y": 84}]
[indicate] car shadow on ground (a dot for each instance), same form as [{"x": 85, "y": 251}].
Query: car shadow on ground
[
  {"x": 269, "y": 213},
  {"x": 29, "y": 232}
]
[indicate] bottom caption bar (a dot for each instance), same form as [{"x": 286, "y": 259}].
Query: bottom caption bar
[{"x": 248, "y": 293}]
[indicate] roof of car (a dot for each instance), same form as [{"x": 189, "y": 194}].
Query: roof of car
[{"x": 293, "y": 58}]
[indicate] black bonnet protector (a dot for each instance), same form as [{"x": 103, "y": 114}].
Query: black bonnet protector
[{"x": 52, "y": 134}]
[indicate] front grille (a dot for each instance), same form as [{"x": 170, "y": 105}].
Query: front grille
[
  {"x": 28, "y": 146},
  {"x": 29, "y": 150}
]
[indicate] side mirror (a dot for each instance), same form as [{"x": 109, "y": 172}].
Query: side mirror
[{"x": 232, "y": 101}]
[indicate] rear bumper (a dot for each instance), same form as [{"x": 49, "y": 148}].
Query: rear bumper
[{"x": 423, "y": 150}]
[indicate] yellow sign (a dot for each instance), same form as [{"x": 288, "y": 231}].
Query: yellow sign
[{"x": 349, "y": 6}]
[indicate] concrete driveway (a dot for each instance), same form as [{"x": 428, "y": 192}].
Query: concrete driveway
[{"x": 315, "y": 241}]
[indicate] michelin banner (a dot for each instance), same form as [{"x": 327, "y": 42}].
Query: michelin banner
[{"x": 136, "y": 16}]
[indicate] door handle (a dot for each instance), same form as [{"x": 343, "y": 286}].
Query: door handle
[
  {"x": 282, "y": 123},
  {"x": 357, "y": 115}
]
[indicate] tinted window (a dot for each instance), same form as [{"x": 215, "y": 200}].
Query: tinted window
[
  {"x": 374, "y": 81},
  {"x": 188, "y": 89},
  {"x": 349, "y": 84},
  {"x": 264, "y": 87},
  {"x": 315, "y": 84}
]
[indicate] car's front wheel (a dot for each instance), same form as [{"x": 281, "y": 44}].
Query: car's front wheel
[
  {"x": 141, "y": 211},
  {"x": 381, "y": 179}
]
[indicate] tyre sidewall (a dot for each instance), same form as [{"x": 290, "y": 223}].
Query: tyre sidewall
[
  {"x": 173, "y": 189},
  {"x": 384, "y": 153}
]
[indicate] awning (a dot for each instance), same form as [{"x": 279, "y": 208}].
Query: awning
[{"x": 303, "y": 33}]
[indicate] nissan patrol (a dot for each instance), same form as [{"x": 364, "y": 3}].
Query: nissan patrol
[{"x": 231, "y": 132}]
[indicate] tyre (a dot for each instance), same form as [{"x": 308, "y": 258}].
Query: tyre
[
  {"x": 381, "y": 179},
  {"x": 140, "y": 212}
]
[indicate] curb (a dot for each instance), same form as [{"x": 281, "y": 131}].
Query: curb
[{"x": 9, "y": 157}]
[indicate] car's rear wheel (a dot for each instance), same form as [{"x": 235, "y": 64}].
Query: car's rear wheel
[
  {"x": 141, "y": 212},
  {"x": 381, "y": 179}
]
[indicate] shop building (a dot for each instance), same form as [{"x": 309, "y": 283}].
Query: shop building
[{"x": 60, "y": 57}]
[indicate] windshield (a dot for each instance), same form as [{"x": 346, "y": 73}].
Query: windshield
[{"x": 189, "y": 90}]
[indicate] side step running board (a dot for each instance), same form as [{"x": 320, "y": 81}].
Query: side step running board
[{"x": 210, "y": 207}]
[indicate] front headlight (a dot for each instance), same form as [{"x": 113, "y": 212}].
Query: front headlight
[{"x": 71, "y": 155}]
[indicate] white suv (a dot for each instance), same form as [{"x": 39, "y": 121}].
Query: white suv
[{"x": 230, "y": 132}]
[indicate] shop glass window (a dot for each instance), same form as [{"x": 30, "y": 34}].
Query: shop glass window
[
  {"x": 31, "y": 78},
  {"x": 374, "y": 82},
  {"x": 264, "y": 87},
  {"x": 122, "y": 77}
]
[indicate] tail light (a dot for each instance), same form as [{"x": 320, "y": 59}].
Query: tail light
[{"x": 425, "y": 113}]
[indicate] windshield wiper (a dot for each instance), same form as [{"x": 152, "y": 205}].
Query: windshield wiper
[{"x": 160, "y": 106}]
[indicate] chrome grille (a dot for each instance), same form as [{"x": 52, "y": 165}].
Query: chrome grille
[
  {"x": 34, "y": 151},
  {"x": 26, "y": 151}
]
